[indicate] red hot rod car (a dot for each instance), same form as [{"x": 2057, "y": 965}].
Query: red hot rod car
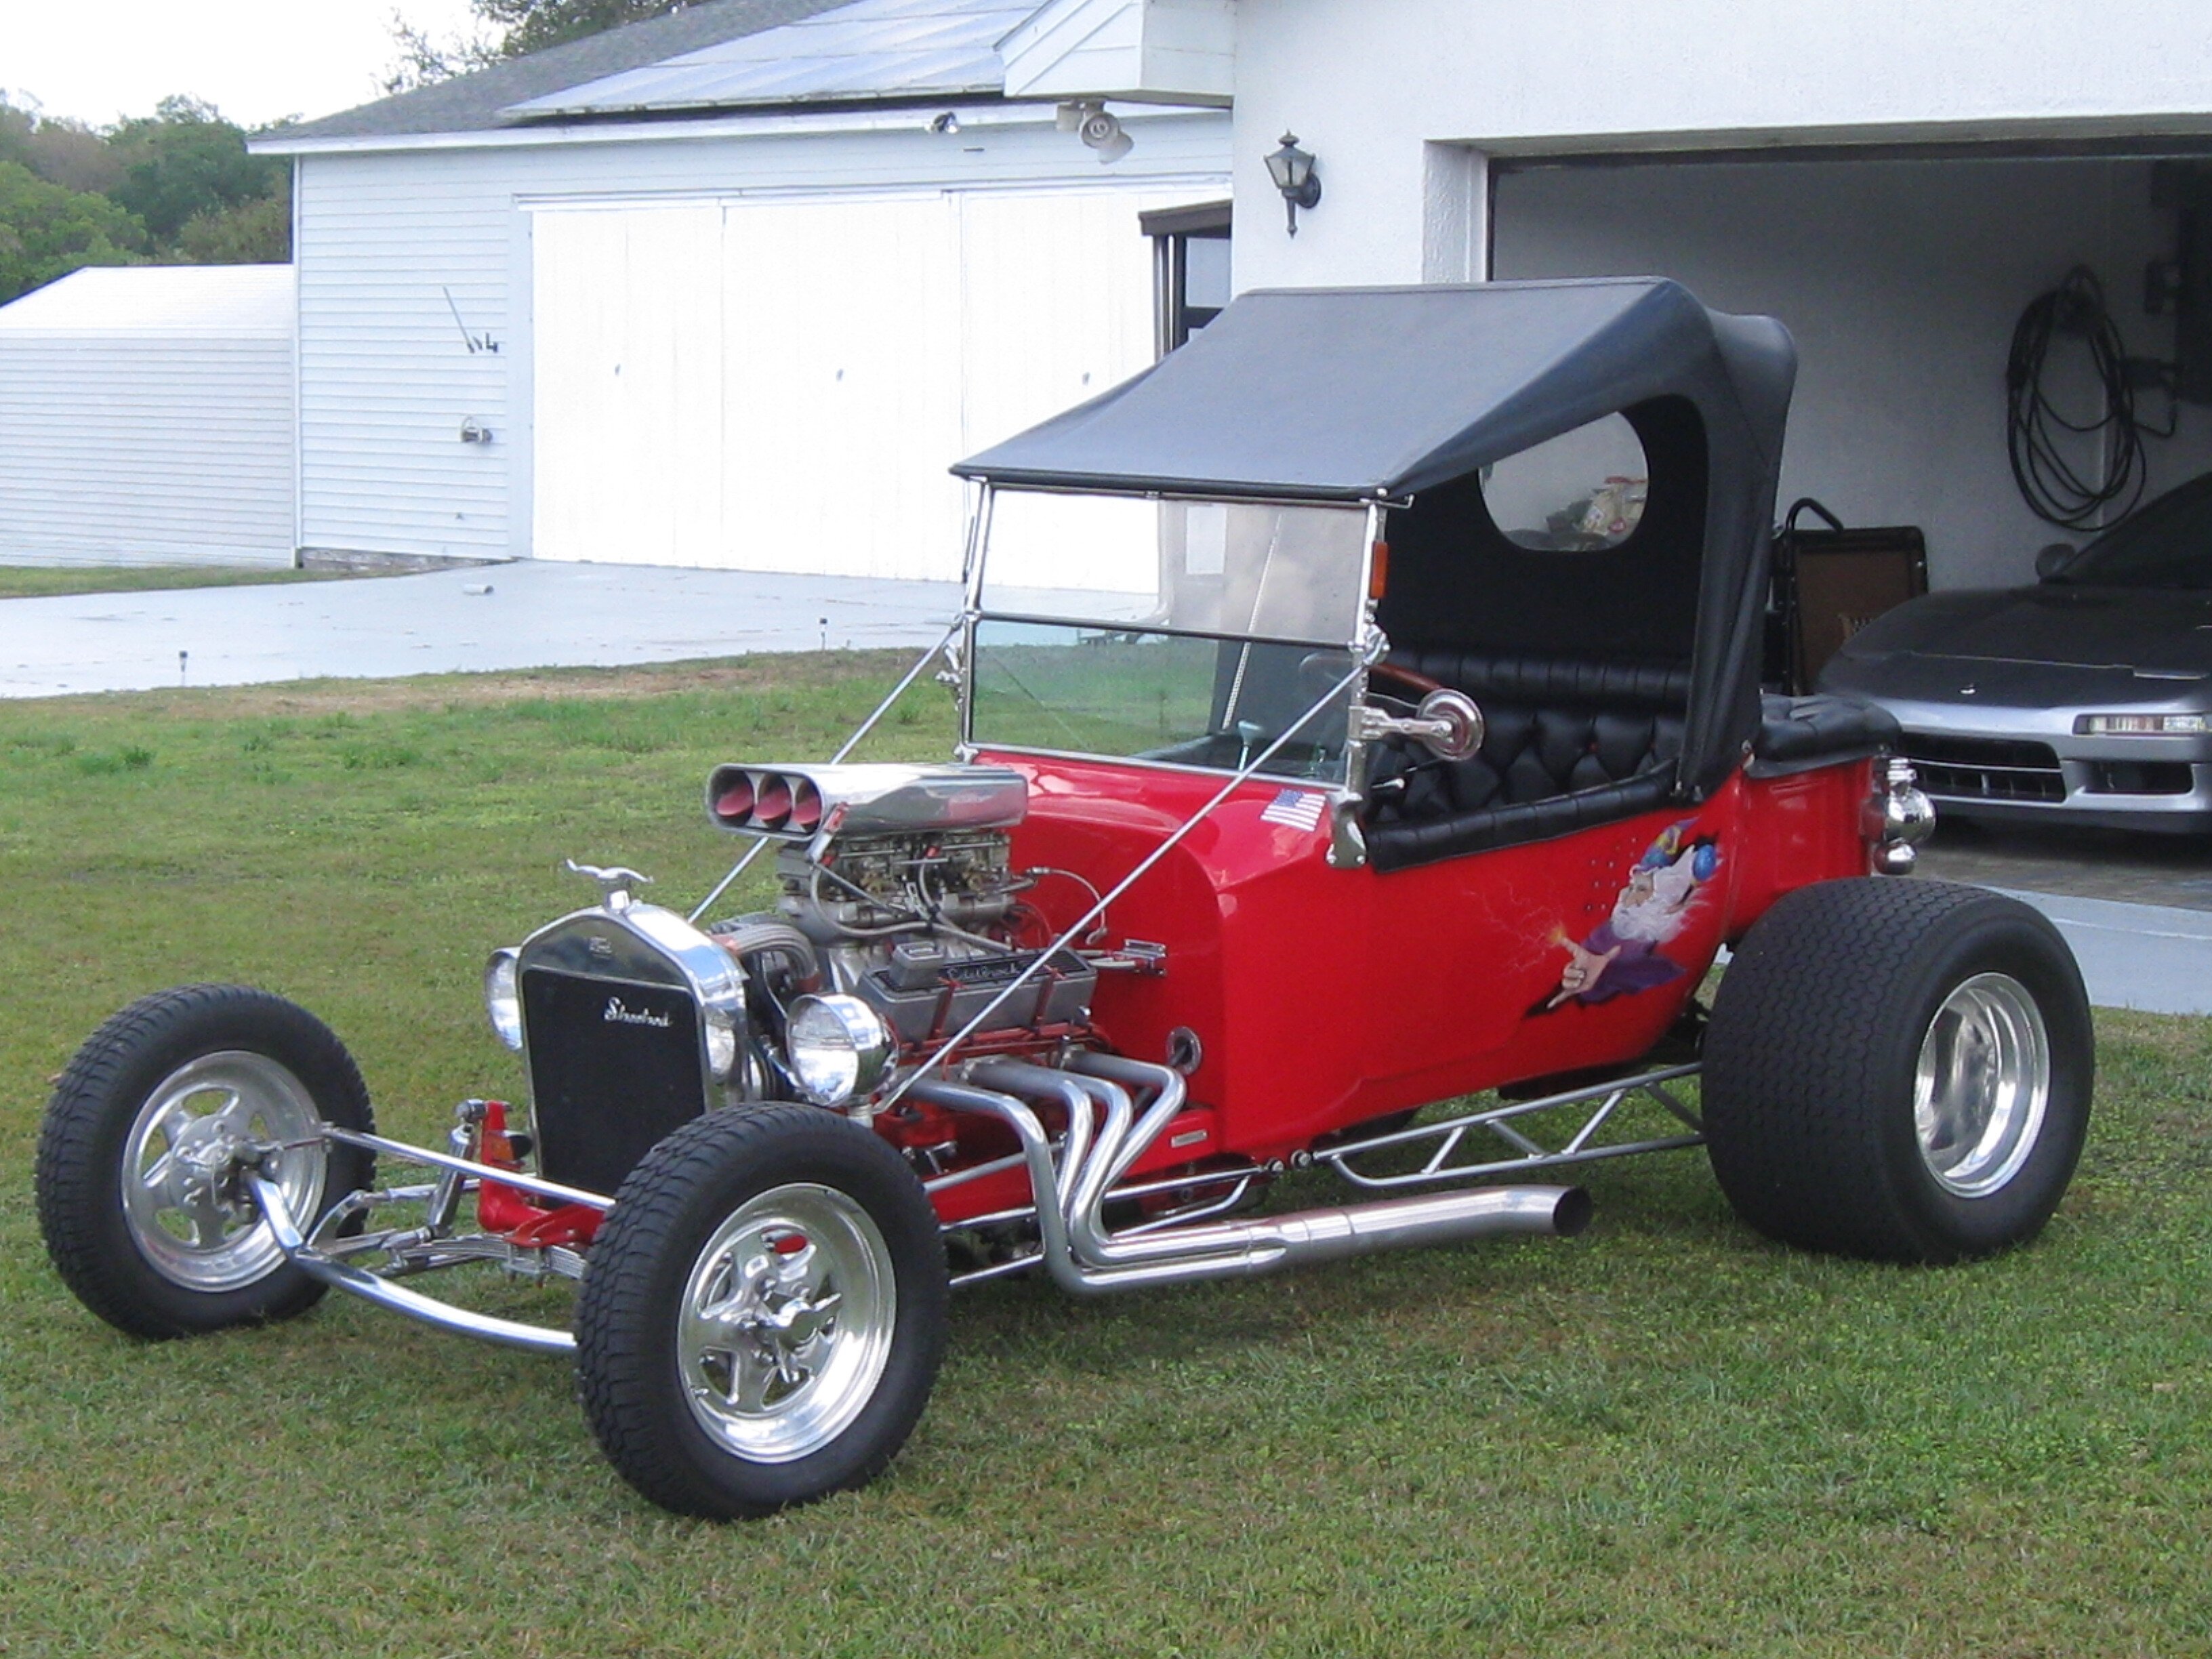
[{"x": 1359, "y": 711}]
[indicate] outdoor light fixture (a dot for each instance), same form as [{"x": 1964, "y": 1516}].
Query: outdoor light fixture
[
  {"x": 1088, "y": 119},
  {"x": 1292, "y": 170}
]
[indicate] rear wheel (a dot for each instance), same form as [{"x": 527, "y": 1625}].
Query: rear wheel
[
  {"x": 140, "y": 1183},
  {"x": 1899, "y": 1070},
  {"x": 763, "y": 1314}
]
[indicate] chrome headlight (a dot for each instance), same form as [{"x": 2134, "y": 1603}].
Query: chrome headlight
[
  {"x": 503, "y": 999},
  {"x": 722, "y": 1043},
  {"x": 838, "y": 1048}
]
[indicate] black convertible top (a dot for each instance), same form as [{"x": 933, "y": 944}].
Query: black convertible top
[
  {"x": 1348, "y": 393},
  {"x": 1354, "y": 394}
]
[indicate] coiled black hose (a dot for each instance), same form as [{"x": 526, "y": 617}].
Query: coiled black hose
[{"x": 2037, "y": 436}]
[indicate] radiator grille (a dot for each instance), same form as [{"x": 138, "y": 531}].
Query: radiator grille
[
  {"x": 1986, "y": 768},
  {"x": 614, "y": 1068}
]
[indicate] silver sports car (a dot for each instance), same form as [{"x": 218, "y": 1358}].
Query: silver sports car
[{"x": 2086, "y": 699}]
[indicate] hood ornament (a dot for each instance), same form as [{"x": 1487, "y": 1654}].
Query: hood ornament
[{"x": 615, "y": 882}]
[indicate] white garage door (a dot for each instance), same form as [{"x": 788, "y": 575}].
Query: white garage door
[{"x": 780, "y": 384}]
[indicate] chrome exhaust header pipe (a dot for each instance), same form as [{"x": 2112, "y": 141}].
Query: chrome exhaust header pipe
[{"x": 1086, "y": 1260}]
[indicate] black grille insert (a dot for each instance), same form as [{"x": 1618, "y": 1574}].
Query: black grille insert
[
  {"x": 614, "y": 1068},
  {"x": 1986, "y": 768},
  {"x": 2140, "y": 778}
]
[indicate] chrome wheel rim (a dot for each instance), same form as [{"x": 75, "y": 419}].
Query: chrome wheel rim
[
  {"x": 182, "y": 1195},
  {"x": 1983, "y": 1085},
  {"x": 786, "y": 1323}
]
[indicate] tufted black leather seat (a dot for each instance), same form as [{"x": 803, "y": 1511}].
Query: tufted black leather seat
[{"x": 1566, "y": 744}]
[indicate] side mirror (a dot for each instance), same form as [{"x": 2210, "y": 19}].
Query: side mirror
[{"x": 2053, "y": 559}]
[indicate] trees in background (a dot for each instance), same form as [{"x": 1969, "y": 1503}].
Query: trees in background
[
  {"x": 510, "y": 28},
  {"x": 175, "y": 187}
]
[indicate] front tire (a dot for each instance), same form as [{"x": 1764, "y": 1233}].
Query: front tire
[
  {"x": 764, "y": 1313},
  {"x": 1898, "y": 1070},
  {"x": 138, "y": 1194}
]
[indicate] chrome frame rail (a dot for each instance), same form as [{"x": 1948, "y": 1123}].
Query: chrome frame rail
[
  {"x": 1451, "y": 1134},
  {"x": 508, "y": 1333}
]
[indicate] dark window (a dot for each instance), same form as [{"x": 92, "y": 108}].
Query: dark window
[{"x": 1190, "y": 269}]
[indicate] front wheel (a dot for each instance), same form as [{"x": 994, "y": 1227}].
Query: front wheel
[
  {"x": 141, "y": 1159},
  {"x": 1898, "y": 1070},
  {"x": 764, "y": 1313}
]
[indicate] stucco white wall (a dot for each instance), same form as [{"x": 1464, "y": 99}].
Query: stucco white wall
[
  {"x": 1368, "y": 83},
  {"x": 1900, "y": 281},
  {"x": 387, "y": 377}
]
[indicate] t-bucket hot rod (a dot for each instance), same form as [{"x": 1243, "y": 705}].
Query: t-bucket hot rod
[{"x": 1359, "y": 711}]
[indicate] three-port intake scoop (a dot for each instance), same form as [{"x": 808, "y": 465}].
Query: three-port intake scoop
[{"x": 802, "y": 802}]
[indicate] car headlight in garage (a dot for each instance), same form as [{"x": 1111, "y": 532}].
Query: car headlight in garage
[
  {"x": 2141, "y": 725},
  {"x": 838, "y": 1048},
  {"x": 503, "y": 1000}
]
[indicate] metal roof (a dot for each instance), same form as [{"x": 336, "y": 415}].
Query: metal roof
[
  {"x": 873, "y": 49},
  {"x": 473, "y": 103},
  {"x": 223, "y": 301}
]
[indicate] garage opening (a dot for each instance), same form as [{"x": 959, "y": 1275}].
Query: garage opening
[{"x": 1902, "y": 278}]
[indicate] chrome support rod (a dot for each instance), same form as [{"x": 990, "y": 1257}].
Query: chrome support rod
[
  {"x": 1175, "y": 839},
  {"x": 269, "y": 1198},
  {"x": 845, "y": 748},
  {"x": 514, "y": 1178},
  {"x": 1448, "y": 1136}
]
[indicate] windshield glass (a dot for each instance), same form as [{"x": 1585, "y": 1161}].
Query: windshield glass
[
  {"x": 1131, "y": 694},
  {"x": 2167, "y": 545},
  {"x": 1256, "y": 569}
]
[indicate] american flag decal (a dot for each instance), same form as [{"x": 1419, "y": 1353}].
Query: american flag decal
[{"x": 1299, "y": 809}]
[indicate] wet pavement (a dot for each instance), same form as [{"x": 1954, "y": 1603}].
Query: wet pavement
[{"x": 530, "y": 615}]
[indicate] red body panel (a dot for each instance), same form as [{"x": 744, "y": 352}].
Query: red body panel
[{"x": 1323, "y": 997}]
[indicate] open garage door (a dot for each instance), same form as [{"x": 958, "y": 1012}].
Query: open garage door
[{"x": 781, "y": 383}]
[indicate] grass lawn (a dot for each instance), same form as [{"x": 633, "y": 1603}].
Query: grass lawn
[
  {"x": 1665, "y": 1437},
  {"x": 38, "y": 582}
]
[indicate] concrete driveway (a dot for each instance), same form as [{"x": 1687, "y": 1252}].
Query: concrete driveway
[{"x": 527, "y": 615}]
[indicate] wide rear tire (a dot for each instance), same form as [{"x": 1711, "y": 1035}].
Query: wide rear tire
[
  {"x": 763, "y": 1314},
  {"x": 1898, "y": 1070}
]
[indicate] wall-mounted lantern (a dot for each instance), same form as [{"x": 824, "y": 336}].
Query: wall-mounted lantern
[{"x": 1292, "y": 170}]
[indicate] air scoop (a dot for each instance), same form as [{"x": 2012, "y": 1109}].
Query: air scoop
[{"x": 799, "y": 802}]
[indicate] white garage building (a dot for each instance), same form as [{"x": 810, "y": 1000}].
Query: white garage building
[
  {"x": 729, "y": 287},
  {"x": 146, "y": 417}
]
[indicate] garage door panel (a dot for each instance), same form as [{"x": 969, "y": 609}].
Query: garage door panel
[
  {"x": 628, "y": 321},
  {"x": 781, "y": 384},
  {"x": 841, "y": 369}
]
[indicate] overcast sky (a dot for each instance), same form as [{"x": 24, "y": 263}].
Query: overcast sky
[{"x": 258, "y": 60}]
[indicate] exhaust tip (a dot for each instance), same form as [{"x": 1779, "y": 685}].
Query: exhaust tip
[{"x": 1572, "y": 1213}]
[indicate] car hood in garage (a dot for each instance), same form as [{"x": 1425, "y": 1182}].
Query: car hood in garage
[{"x": 2132, "y": 630}]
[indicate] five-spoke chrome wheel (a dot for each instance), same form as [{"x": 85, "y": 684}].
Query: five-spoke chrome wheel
[
  {"x": 144, "y": 1157},
  {"x": 764, "y": 1311},
  {"x": 182, "y": 1164},
  {"x": 1982, "y": 1086},
  {"x": 786, "y": 1324}
]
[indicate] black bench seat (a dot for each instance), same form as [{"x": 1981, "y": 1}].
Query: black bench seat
[{"x": 1566, "y": 744}]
